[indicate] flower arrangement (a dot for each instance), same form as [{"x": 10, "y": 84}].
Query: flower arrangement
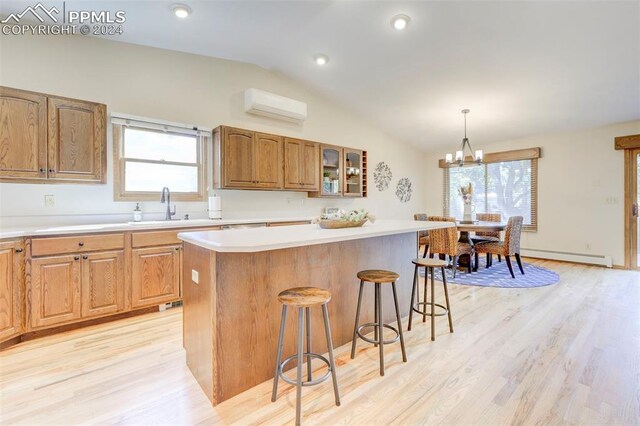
[
  {"x": 466, "y": 192},
  {"x": 345, "y": 219}
]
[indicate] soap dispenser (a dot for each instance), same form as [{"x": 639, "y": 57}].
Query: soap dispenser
[{"x": 137, "y": 213}]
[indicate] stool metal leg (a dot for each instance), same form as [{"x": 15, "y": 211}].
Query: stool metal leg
[
  {"x": 426, "y": 279},
  {"x": 380, "y": 323},
  {"x": 355, "y": 327},
  {"x": 395, "y": 300},
  {"x": 332, "y": 364},
  {"x": 433, "y": 306},
  {"x": 446, "y": 297},
  {"x": 274, "y": 394},
  {"x": 300, "y": 357},
  {"x": 308, "y": 323},
  {"x": 413, "y": 295},
  {"x": 376, "y": 302}
]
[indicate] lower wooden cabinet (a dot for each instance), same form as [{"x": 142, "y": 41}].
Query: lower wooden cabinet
[
  {"x": 102, "y": 283},
  {"x": 155, "y": 275},
  {"x": 55, "y": 290},
  {"x": 71, "y": 287},
  {"x": 11, "y": 289}
]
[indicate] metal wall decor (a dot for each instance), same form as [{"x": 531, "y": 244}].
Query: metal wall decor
[
  {"x": 382, "y": 176},
  {"x": 403, "y": 190}
]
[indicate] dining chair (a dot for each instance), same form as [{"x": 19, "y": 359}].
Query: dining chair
[
  {"x": 483, "y": 236},
  {"x": 445, "y": 241},
  {"x": 507, "y": 248},
  {"x": 423, "y": 236}
]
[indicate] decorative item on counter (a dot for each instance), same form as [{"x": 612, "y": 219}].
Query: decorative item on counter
[
  {"x": 344, "y": 219},
  {"x": 215, "y": 207},
  {"x": 403, "y": 190},
  {"x": 382, "y": 176},
  {"x": 466, "y": 192},
  {"x": 137, "y": 213}
]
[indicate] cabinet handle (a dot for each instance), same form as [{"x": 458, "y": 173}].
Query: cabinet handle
[
  {"x": 43, "y": 170},
  {"x": 52, "y": 170},
  {"x": 76, "y": 257},
  {"x": 85, "y": 257},
  {"x": 19, "y": 250},
  {"x": 177, "y": 248},
  {"x": 81, "y": 244}
]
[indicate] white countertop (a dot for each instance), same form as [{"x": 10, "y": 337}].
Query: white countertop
[
  {"x": 263, "y": 239},
  {"x": 41, "y": 231}
]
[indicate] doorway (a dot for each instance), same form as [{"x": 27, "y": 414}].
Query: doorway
[{"x": 631, "y": 200}]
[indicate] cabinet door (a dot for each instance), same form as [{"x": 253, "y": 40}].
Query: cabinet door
[
  {"x": 155, "y": 275},
  {"x": 55, "y": 290},
  {"x": 293, "y": 158},
  {"x": 238, "y": 167},
  {"x": 77, "y": 140},
  {"x": 310, "y": 166},
  {"x": 352, "y": 173},
  {"x": 102, "y": 283},
  {"x": 268, "y": 161},
  {"x": 331, "y": 184},
  {"x": 23, "y": 135},
  {"x": 11, "y": 280}
]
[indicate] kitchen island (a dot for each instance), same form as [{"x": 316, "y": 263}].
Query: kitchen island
[{"x": 232, "y": 279}]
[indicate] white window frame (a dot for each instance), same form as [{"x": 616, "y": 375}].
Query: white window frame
[{"x": 120, "y": 122}]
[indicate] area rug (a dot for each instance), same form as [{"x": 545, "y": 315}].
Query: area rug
[{"x": 498, "y": 276}]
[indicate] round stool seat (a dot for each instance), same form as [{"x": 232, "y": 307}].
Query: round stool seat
[
  {"x": 304, "y": 296},
  {"x": 429, "y": 263},
  {"x": 378, "y": 276}
]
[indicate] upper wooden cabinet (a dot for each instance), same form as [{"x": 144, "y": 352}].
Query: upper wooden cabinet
[
  {"x": 23, "y": 134},
  {"x": 49, "y": 139},
  {"x": 343, "y": 172},
  {"x": 12, "y": 269},
  {"x": 301, "y": 164},
  {"x": 247, "y": 159},
  {"x": 77, "y": 136}
]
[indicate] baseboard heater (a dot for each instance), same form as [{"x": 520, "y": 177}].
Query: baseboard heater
[
  {"x": 169, "y": 305},
  {"x": 592, "y": 259}
]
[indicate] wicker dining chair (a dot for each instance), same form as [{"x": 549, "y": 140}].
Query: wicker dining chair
[
  {"x": 483, "y": 236},
  {"x": 507, "y": 248},
  {"x": 423, "y": 236},
  {"x": 445, "y": 241}
]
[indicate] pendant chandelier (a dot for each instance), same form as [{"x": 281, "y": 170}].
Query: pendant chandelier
[{"x": 459, "y": 158}]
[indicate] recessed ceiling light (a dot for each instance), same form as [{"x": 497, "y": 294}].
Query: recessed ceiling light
[
  {"x": 400, "y": 22},
  {"x": 321, "y": 59},
  {"x": 181, "y": 10}
]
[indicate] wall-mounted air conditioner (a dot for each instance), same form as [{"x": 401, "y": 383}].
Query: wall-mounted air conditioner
[{"x": 259, "y": 102}]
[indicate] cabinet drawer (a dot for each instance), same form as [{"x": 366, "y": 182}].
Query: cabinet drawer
[
  {"x": 75, "y": 244},
  {"x": 162, "y": 238}
]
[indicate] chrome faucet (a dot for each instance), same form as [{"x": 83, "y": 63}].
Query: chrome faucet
[{"x": 168, "y": 201}]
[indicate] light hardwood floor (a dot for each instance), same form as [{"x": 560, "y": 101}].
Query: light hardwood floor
[{"x": 564, "y": 354}]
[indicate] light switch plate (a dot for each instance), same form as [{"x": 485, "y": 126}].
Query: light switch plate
[{"x": 194, "y": 276}]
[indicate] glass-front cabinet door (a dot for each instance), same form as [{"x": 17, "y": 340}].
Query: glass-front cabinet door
[
  {"x": 331, "y": 182},
  {"x": 352, "y": 173}
]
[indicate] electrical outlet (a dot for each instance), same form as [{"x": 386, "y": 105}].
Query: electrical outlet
[
  {"x": 195, "y": 276},
  {"x": 49, "y": 200},
  {"x": 611, "y": 200}
]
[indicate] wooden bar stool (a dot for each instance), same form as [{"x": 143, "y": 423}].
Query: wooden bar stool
[
  {"x": 303, "y": 298},
  {"x": 378, "y": 277},
  {"x": 429, "y": 266}
]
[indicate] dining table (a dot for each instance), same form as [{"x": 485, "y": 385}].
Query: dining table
[{"x": 466, "y": 228}]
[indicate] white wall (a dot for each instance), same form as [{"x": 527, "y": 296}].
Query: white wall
[
  {"x": 577, "y": 173},
  {"x": 193, "y": 89}
]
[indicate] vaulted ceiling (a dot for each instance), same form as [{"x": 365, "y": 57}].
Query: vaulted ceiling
[{"x": 523, "y": 68}]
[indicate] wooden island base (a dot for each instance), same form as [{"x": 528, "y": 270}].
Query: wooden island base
[{"x": 232, "y": 316}]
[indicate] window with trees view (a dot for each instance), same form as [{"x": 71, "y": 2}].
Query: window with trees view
[{"x": 506, "y": 187}]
